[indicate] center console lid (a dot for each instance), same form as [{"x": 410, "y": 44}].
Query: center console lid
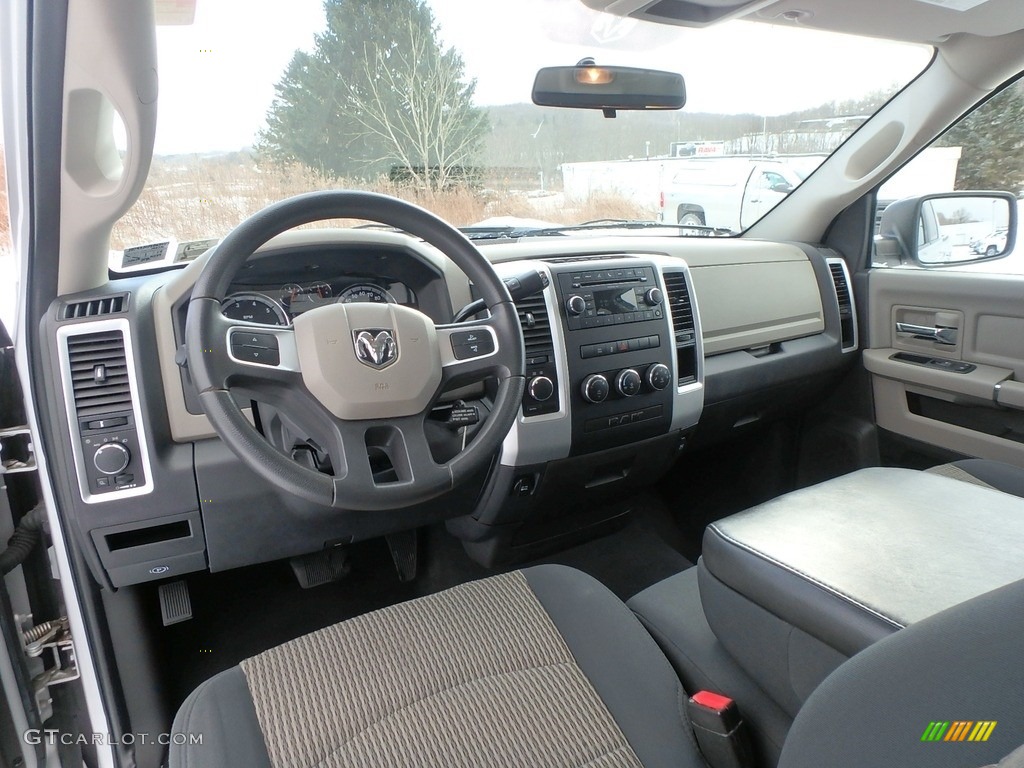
[{"x": 794, "y": 586}]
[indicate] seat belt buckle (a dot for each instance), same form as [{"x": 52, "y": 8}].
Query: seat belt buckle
[{"x": 720, "y": 731}]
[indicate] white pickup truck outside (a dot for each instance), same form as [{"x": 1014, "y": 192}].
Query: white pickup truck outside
[{"x": 729, "y": 192}]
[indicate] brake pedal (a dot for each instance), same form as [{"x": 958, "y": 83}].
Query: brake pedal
[
  {"x": 175, "y": 603},
  {"x": 321, "y": 567}
]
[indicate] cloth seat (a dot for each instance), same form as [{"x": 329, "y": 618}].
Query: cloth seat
[
  {"x": 989, "y": 474},
  {"x": 538, "y": 667}
]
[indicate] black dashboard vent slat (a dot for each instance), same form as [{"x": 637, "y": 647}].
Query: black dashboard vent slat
[
  {"x": 536, "y": 325},
  {"x": 677, "y": 293},
  {"x": 845, "y": 301},
  {"x": 679, "y": 305},
  {"x": 105, "y": 305},
  {"x": 99, "y": 373}
]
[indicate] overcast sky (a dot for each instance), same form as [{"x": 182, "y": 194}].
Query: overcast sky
[{"x": 217, "y": 76}]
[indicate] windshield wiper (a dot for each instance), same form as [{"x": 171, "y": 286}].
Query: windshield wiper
[
  {"x": 682, "y": 229},
  {"x": 505, "y": 232}
]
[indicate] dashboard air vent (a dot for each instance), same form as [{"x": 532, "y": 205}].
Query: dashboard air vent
[
  {"x": 107, "y": 305},
  {"x": 847, "y": 317},
  {"x": 533, "y": 317},
  {"x": 679, "y": 306},
  {"x": 99, "y": 373},
  {"x": 678, "y": 293}
]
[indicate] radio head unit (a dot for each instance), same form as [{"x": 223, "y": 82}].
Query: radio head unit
[{"x": 598, "y": 298}]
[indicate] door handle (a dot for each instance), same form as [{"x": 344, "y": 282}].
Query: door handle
[{"x": 936, "y": 333}]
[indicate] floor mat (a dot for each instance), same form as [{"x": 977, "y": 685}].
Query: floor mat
[
  {"x": 242, "y": 612},
  {"x": 628, "y": 561}
]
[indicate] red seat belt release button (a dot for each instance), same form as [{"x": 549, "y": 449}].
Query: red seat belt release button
[{"x": 720, "y": 731}]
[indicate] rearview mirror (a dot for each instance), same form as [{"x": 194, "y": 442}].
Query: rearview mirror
[
  {"x": 947, "y": 229},
  {"x": 589, "y": 86}
]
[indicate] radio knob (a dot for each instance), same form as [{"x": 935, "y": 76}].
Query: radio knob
[
  {"x": 628, "y": 382},
  {"x": 575, "y": 305},
  {"x": 653, "y": 297},
  {"x": 541, "y": 388},
  {"x": 111, "y": 458},
  {"x": 595, "y": 388},
  {"x": 658, "y": 376}
]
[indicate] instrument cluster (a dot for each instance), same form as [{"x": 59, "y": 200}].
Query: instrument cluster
[{"x": 280, "y": 306}]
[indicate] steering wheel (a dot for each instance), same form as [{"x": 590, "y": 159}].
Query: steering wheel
[{"x": 359, "y": 379}]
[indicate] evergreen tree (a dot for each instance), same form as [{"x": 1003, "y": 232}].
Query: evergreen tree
[
  {"x": 992, "y": 138},
  {"x": 377, "y": 95}
]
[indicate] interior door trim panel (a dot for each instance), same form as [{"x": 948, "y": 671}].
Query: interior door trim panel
[{"x": 988, "y": 312}]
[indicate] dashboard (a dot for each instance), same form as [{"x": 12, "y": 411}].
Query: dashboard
[{"x": 635, "y": 349}]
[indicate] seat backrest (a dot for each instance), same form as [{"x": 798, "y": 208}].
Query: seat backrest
[{"x": 920, "y": 697}]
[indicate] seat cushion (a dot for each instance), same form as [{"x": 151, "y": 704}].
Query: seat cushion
[
  {"x": 542, "y": 666},
  {"x": 795, "y": 586}
]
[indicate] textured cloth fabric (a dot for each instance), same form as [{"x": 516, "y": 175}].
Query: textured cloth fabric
[
  {"x": 954, "y": 472},
  {"x": 961, "y": 664},
  {"x": 477, "y": 675}
]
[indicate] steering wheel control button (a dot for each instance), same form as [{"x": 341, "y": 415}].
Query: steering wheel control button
[
  {"x": 251, "y": 347},
  {"x": 541, "y": 388},
  {"x": 469, "y": 344},
  {"x": 257, "y": 355},
  {"x": 628, "y": 382},
  {"x": 265, "y": 340},
  {"x": 111, "y": 458},
  {"x": 595, "y": 388},
  {"x": 575, "y": 305},
  {"x": 658, "y": 376}
]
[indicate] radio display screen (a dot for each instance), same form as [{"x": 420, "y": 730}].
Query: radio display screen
[{"x": 615, "y": 301}]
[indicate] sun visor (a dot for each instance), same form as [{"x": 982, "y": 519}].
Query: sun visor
[{"x": 685, "y": 13}]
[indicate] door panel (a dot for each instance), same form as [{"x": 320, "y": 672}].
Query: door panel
[{"x": 946, "y": 357}]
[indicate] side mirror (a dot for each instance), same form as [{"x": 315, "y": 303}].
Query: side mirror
[
  {"x": 947, "y": 229},
  {"x": 782, "y": 186},
  {"x": 589, "y": 86}
]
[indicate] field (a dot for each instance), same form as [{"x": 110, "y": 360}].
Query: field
[{"x": 199, "y": 198}]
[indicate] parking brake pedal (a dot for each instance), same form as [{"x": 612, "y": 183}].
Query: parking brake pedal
[
  {"x": 321, "y": 567},
  {"x": 175, "y": 604}
]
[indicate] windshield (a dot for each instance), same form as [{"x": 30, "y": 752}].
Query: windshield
[{"x": 430, "y": 101}]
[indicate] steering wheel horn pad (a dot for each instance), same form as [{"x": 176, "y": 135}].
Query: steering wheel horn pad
[{"x": 369, "y": 361}]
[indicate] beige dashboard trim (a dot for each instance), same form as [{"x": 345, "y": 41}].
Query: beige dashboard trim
[
  {"x": 749, "y": 305},
  {"x": 979, "y": 383},
  {"x": 892, "y": 413}
]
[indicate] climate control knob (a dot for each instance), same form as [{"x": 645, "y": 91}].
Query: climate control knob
[
  {"x": 541, "y": 388},
  {"x": 658, "y": 376},
  {"x": 653, "y": 297},
  {"x": 595, "y": 388},
  {"x": 575, "y": 305},
  {"x": 628, "y": 382},
  {"x": 111, "y": 458}
]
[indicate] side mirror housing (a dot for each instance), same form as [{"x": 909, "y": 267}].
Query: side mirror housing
[{"x": 947, "y": 229}]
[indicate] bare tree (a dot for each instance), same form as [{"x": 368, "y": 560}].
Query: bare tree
[
  {"x": 411, "y": 98},
  {"x": 378, "y": 94}
]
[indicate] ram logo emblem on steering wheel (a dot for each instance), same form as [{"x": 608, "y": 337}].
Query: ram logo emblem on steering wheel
[{"x": 375, "y": 347}]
